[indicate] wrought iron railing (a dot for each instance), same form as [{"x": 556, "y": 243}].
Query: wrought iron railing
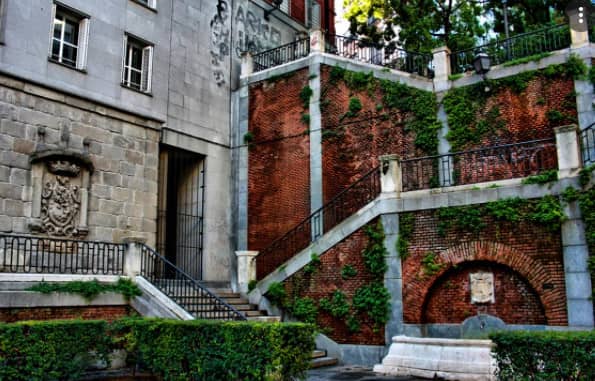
[
  {"x": 343, "y": 205},
  {"x": 395, "y": 58},
  {"x": 522, "y": 45},
  {"x": 281, "y": 54},
  {"x": 479, "y": 165},
  {"x": 28, "y": 254},
  {"x": 587, "y": 138},
  {"x": 183, "y": 289}
]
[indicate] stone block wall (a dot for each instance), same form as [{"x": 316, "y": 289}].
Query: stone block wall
[
  {"x": 123, "y": 149},
  {"x": 279, "y": 156}
]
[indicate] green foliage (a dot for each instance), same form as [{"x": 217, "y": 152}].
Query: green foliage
[
  {"x": 304, "y": 309},
  {"x": 355, "y": 106},
  {"x": 542, "y": 178},
  {"x": 373, "y": 300},
  {"x": 558, "y": 118},
  {"x": 544, "y": 355},
  {"x": 252, "y": 285},
  {"x": 305, "y": 119},
  {"x": 467, "y": 218},
  {"x": 375, "y": 252},
  {"x": 305, "y": 95},
  {"x": 337, "y": 306},
  {"x": 507, "y": 209},
  {"x": 430, "y": 265},
  {"x": 90, "y": 289},
  {"x": 576, "y": 67},
  {"x": 51, "y": 350},
  {"x": 547, "y": 212},
  {"x": 571, "y": 194},
  {"x": 532, "y": 58},
  {"x": 248, "y": 137},
  {"x": 406, "y": 227},
  {"x": 592, "y": 75},
  {"x": 348, "y": 271},
  {"x": 314, "y": 264},
  {"x": 276, "y": 294},
  {"x": 454, "y": 77},
  {"x": 353, "y": 324},
  {"x": 584, "y": 176}
]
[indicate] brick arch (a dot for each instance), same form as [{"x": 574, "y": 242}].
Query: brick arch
[{"x": 553, "y": 300}]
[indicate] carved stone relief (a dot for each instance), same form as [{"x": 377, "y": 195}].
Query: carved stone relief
[
  {"x": 220, "y": 41},
  {"x": 482, "y": 288},
  {"x": 60, "y": 186}
]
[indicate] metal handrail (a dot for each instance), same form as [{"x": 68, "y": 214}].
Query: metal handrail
[
  {"x": 587, "y": 140},
  {"x": 495, "y": 163},
  {"x": 281, "y": 54},
  {"x": 187, "y": 292},
  {"x": 319, "y": 222},
  {"x": 522, "y": 45},
  {"x": 394, "y": 58},
  {"x": 27, "y": 254}
]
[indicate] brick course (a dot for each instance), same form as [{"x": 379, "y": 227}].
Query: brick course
[
  {"x": 525, "y": 252},
  {"x": 109, "y": 313},
  {"x": 278, "y": 168}
]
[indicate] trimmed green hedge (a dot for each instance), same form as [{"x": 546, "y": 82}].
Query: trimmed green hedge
[
  {"x": 545, "y": 355},
  {"x": 171, "y": 349}
]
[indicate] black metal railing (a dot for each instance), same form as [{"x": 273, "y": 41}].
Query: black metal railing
[
  {"x": 394, "y": 58},
  {"x": 479, "y": 165},
  {"x": 522, "y": 45},
  {"x": 587, "y": 138},
  {"x": 27, "y": 254},
  {"x": 343, "y": 205},
  {"x": 183, "y": 289},
  {"x": 281, "y": 54}
]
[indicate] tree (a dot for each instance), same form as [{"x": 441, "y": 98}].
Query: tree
[{"x": 526, "y": 15}]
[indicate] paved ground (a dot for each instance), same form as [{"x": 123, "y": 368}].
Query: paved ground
[{"x": 351, "y": 373}]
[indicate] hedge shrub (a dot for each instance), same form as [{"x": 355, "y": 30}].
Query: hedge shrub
[
  {"x": 170, "y": 349},
  {"x": 545, "y": 355}
]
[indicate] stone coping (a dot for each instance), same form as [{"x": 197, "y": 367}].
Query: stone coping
[{"x": 443, "y": 342}]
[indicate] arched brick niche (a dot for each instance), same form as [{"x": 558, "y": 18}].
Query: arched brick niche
[
  {"x": 544, "y": 282},
  {"x": 514, "y": 300}
]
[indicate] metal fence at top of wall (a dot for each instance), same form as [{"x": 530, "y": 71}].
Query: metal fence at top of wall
[
  {"x": 343, "y": 205},
  {"x": 183, "y": 289},
  {"x": 398, "y": 59},
  {"x": 27, "y": 254},
  {"x": 522, "y": 45},
  {"x": 587, "y": 139},
  {"x": 484, "y": 164},
  {"x": 282, "y": 54}
]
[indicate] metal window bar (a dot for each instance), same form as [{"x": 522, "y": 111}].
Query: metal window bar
[
  {"x": 183, "y": 289},
  {"x": 522, "y": 45},
  {"x": 587, "y": 139},
  {"x": 28, "y": 254},
  {"x": 479, "y": 165},
  {"x": 343, "y": 205},
  {"x": 395, "y": 58},
  {"x": 281, "y": 54}
]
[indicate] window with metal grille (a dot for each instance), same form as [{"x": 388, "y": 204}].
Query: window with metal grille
[
  {"x": 148, "y": 3},
  {"x": 137, "y": 62},
  {"x": 69, "y": 37}
]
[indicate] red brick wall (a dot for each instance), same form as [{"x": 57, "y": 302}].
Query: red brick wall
[
  {"x": 328, "y": 278},
  {"x": 279, "y": 160},
  {"x": 362, "y": 138},
  {"x": 524, "y": 251},
  {"x": 448, "y": 299},
  {"x": 109, "y": 313},
  {"x": 298, "y": 10}
]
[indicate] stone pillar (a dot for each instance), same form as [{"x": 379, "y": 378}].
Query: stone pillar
[
  {"x": 390, "y": 174},
  {"x": 316, "y": 41},
  {"x": 246, "y": 269},
  {"x": 568, "y": 151},
  {"x": 247, "y": 66},
  {"x": 393, "y": 280},
  {"x": 576, "y": 272},
  {"x": 315, "y": 128},
  {"x": 132, "y": 256},
  {"x": 441, "y": 68}
]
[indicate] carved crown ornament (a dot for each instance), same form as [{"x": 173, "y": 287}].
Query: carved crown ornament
[{"x": 60, "y": 179}]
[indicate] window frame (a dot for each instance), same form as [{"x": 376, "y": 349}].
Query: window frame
[
  {"x": 82, "y": 22},
  {"x": 146, "y": 67},
  {"x": 150, "y": 4}
]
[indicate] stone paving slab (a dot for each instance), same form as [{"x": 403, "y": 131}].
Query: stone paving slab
[{"x": 352, "y": 373}]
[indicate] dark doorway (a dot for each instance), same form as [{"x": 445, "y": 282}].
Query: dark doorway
[{"x": 181, "y": 206}]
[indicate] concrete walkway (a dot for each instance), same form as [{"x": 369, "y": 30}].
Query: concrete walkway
[{"x": 351, "y": 373}]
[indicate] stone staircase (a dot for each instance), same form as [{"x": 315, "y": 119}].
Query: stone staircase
[
  {"x": 250, "y": 311},
  {"x": 320, "y": 359}
]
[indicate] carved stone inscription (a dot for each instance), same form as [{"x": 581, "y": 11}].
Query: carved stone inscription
[
  {"x": 60, "y": 206},
  {"x": 482, "y": 288},
  {"x": 220, "y": 44}
]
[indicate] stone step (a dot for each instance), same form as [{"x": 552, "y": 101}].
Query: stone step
[
  {"x": 265, "y": 319},
  {"x": 317, "y": 353},
  {"x": 323, "y": 361}
]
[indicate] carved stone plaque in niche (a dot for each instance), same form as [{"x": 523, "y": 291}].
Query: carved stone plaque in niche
[
  {"x": 482, "y": 288},
  {"x": 60, "y": 179}
]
